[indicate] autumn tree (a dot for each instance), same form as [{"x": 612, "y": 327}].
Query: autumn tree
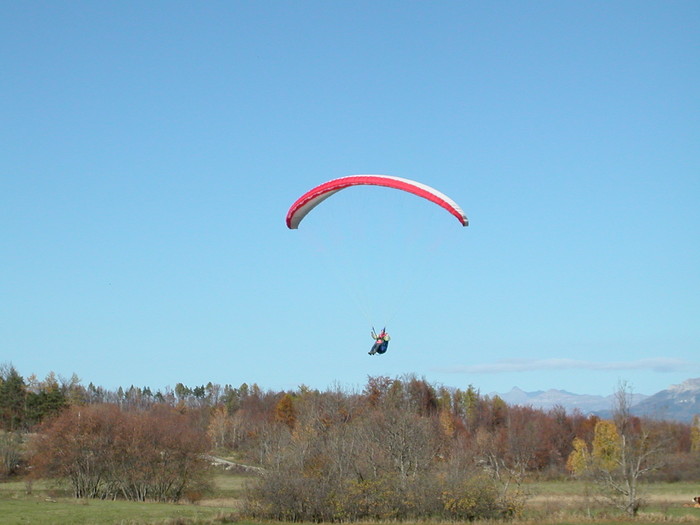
[
  {"x": 77, "y": 447},
  {"x": 695, "y": 435},
  {"x": 559, "y": 438},
  {"x": 467, "y": 405},
  {"x": 284, "y": 411},
  {"x": 105, "y": 452},
  {"x": 607, "y": 446},
  {"x": 220, "y": 427},
  {"x": 579, "y": 459},
  {"x": 623, "y": 451},
  {"x": 381, "y": 455},
  {"x": 158, "y": 457}
]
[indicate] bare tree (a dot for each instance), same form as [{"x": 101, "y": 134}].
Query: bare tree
[
  {"x": 624, "y": 450},
  {"x": 641, "y": 452},
  {"x": 10, "y": 453}
]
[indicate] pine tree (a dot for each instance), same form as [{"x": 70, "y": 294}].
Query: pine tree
[{"x": 13, "y": 394}]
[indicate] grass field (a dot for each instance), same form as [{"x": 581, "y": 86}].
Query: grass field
[
  {"x": 572, "y": 502},
  {"x": 550, "y": 503},
  {"x": 50, "y": 504},
  {"x": 31, "y": 511}
]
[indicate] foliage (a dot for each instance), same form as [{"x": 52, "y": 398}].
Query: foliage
[
  {"x": 23, "y": 405},
  {"x": 607, "y": 446},
  {"x": 623, "y": 451},
  {"x": 10, "y": 453},
  {"x": 695, "y": 435},
  {"x": 12, "y": 396},
  {"x": 381, "y": 456},
  {"x": 579, "y": 459},
  {"x": 399, "y": 449},
  {"x": 105, "y": 452},
  {"x": 475, "y": 498}
]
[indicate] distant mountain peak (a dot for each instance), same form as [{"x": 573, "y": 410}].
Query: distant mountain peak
[
  {"x": 689, "y": 385},
  {"x": 548, "y": 399},
  {"x": 679, "y": 402},
  {"x": 563, "y": 392}
]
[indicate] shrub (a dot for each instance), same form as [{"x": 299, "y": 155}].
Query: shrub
[
  {"x": 106, "y": 453},
  {"x": 10, "y": 453}
]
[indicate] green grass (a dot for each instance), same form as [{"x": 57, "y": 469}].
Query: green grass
[
  {"x": 52, "y": 504},
  {"x": 36, "y": 510},
  {"x": 681, "y": 491},
  {"x": 227, "y": 485},
  {"x": 553, "y": 503},
  {"x": 572, "y": 502}
]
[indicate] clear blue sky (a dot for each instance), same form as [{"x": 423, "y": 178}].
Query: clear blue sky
[{"x": 150, "y": 151}]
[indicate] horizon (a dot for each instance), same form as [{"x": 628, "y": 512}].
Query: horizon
[{"x": 65, "y": 379}]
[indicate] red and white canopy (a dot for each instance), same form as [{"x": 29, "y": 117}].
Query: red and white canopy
[{"x": 312, "y": 198}]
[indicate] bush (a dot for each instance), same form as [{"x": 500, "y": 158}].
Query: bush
[
  {"x": 289, "y": 496},
  {"x": 10, "y": 453},
  {"x": 475, "y": 498},
  {"x": 104, "y": 452}
]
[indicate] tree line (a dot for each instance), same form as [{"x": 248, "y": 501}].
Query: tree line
[{"x": 399, "y": 448}]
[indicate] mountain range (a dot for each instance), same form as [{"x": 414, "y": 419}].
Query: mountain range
[{"x": 677, "y": 403}]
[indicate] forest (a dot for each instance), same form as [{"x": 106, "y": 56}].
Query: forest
[{"x": 398, "y": 449}]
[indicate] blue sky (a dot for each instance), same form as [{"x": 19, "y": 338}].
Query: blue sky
[{"x": 150, "y": 151}]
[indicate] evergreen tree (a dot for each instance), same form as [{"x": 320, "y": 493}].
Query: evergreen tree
[{"x": 13, "y": 395}]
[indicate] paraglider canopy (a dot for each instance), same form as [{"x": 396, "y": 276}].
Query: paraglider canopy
[{"x": 312, "y": 198}]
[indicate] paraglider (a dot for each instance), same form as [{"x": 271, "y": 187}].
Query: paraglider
[
  {"x": 315, "y": 196},
  {"x": 381, "y": 341}
]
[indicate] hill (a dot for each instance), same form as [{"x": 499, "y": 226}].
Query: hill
[
  {"x": 678, "y": 402},
  {"x": 548, "y": 399}
]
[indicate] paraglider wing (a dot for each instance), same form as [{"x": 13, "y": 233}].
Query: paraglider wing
[{"x": 317, "y": 195}]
